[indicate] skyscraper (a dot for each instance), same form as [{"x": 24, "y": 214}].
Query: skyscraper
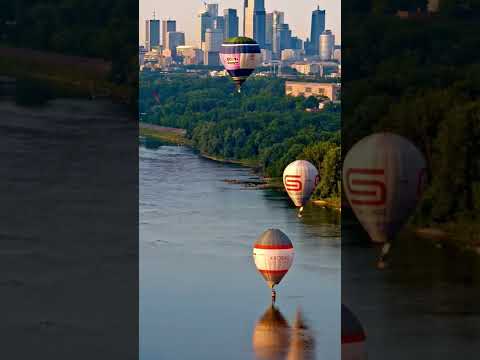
[
  {"x": 281, "y": 39},
  {"x": 212, "y": 9},
  {"x": 213, "y": 43},
  {"x": 231, "y": 23},
  {"x": 167, "y": 26},
  {"x": 219, "y": 23},
  {"x": 245, "y": 5},
  {"x": 326, "y": 45},
  {"x": 255, "y": 21},
  {"x": 152, "y": 34},
  {"x": 318, "y": 27},
  {"x": 205, "y": 21},
  {"x": 174, "y": 39},
  {"x": 269, "y": 30}
]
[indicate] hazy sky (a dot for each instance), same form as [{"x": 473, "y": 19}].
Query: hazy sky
[{"x": 298, "y": 14}]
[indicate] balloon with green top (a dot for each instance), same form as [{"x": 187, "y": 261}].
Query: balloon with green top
[{"x": 240, "y": 56}]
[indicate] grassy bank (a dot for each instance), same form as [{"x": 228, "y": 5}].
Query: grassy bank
[{"x": 166, "y": 134}]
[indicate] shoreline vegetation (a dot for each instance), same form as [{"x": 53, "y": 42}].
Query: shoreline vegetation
[
  {"x": 260, "y": 128},
  {"x": 438, "y": 234},
  {"x": 176, "y": 136}
]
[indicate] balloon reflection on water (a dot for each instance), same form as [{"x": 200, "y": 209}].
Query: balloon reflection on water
[{"x": 275, "y": 339}]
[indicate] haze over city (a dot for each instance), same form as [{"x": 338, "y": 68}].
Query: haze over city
[{"x": 185, "y": 13}]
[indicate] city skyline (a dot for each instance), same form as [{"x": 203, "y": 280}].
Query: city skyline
[{"x": 185, "y": 13}]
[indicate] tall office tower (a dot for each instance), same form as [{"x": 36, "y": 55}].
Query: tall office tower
[
  {"x": 231, "y": 23},
  {"x": 278, "y": 17},
  {"x": 174, "y": 39},
  {"x": 205, "y": 21},
  {"x": 167, "y": 26},
  {"x": 318, "y": 27},
  {"x": 219, "y": 23},
  {"x": 326, "y": 45},
  {"x": 269, "y": 30},
  {"x": 281, "y": 39},
  {"x": 212, "y": 9},
  {"x": 245, "y": 6},
  {"x": 213, "y": 44},
  {"x": 255, "y": 21},
  {"x": 296, "y": 43},
  {"x": 152, "y": 34}
]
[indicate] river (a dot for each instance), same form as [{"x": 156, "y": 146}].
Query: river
[{"x": 200, "y": 294}]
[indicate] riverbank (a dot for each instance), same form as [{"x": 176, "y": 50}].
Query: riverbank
[
  {"x": 61, "y": 75},
  {"x": 178, "y": 136},
  {"x": 464, "y": 236},
  {"x": 170, "y": 135}
]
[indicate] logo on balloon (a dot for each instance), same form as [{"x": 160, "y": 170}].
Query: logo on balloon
[
  {"x": 367, "y": 186},
  {"x": 293, "y": 183},
  {"x": 232, "y": 60}
]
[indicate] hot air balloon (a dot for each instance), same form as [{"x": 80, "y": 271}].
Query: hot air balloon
[
  {"x": 383, "y": 177},
  {"x": 300, "y": 178},
  {"x": 271, "y": 335},
  {"x": 273, "y": 255},
  {"x": 353, "y": 337},
  {"x": 240, "y": 56}
]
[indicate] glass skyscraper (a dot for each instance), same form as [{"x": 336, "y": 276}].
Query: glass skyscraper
[{"x": 318, "y": 27}]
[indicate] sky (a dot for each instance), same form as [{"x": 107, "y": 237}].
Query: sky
[{"x": 298, "y": 14}]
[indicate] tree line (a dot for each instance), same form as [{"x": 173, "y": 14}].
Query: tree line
[
  {"x": 261, "y": 124},
  {"x": 420, "y": 78}
]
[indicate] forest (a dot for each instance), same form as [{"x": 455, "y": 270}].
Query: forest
[
  {"x": 420, "y": 78},
  {"x": 261, "y": 125},
  {"x": 100, "y": 29}
]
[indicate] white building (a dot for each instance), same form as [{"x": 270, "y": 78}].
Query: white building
[
  {"x": 326, "y": 45},
  {"x": 190, "y": 55},
  {"x": 266, "y": 56},
  {"x": 308, "y": 68},
  {"x": 291, "y": 54},
  {"x": 213, "y": 40}
]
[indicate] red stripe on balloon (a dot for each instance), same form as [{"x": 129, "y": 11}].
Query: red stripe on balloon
[
  {"x": 347, "y": 339},
  {"x": 273, "y": 247},
  {"x": 273, "y": 271}
]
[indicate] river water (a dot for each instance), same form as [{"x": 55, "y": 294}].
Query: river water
[{"x": 200, "y": 294}]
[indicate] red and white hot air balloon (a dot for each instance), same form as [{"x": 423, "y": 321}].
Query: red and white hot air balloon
[
  {"x": 300, "y": 179},
  {"x": 383, "y": 177},
  {"x": 273, "y": 255}
]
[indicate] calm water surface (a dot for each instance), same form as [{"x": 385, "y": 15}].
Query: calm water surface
[{"x": 200, "y": 294}]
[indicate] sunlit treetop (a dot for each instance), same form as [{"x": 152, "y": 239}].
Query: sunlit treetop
[{"x": 240, "y": 40}]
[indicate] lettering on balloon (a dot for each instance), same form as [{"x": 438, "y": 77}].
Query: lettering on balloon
[
  {"x": 367, "y": 186},
  {"x": 293, "y": 182}
]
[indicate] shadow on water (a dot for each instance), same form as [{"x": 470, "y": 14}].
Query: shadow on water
[
  {"x": 275, "y": 339},
  {"x": 429, "y": 288},
  {"x": 150, "y": 143}
]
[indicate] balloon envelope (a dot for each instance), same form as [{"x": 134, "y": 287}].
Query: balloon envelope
[
  {"x": 240, "y": 56},
  {"x": 300, "y": 178},
  {"x": 273, "y": 255},
  {"x": 383, "y": 178}
]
